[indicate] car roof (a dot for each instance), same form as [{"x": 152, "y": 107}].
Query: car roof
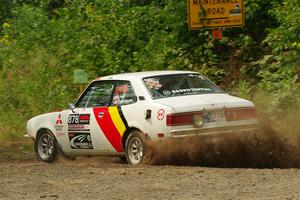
[{"x": 140, "y": 75}]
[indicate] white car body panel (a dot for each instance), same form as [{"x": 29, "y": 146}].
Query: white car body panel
[
  {"x": 199, "y": 102},
  {"x": 100, "y": 134}
]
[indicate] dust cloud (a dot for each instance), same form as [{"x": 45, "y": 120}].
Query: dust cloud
[{"x": 276, "y": 144}]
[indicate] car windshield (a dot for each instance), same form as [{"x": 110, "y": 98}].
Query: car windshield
[{"x": 179, "y": 85}]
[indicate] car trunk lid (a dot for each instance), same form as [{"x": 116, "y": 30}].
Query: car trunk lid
[{"x": 192, "y": 103}]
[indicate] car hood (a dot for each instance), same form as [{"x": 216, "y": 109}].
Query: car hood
[{"x": 192, "y": 103}]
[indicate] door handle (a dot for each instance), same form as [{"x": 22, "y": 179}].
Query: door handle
[{"x": 100, "y": 115}]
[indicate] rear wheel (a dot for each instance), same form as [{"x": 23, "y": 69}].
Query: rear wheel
[
  {"x": 45, "y": 147},
  {"x": 135, "y": 148}
]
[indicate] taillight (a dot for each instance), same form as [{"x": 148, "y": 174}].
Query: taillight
[
  {"x": 181, "y": 119},
  {"x": 235, "y": 114}
]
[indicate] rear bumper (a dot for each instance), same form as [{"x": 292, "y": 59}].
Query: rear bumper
[{"x": 215, "y": 131}]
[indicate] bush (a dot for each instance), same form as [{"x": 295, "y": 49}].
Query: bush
[{"x": 45, "y": 41}]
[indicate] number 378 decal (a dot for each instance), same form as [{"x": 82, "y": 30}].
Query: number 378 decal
[{"x": 79, "y": 119}]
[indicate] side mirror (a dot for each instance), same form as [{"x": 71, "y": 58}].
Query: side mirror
[{"x": 71, "y": 107}]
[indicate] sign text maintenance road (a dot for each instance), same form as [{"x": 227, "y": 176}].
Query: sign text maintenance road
[{"x": 215, "y": 13}]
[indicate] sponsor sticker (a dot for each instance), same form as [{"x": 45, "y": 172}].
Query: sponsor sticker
[
  {"x": 80, "y": 140},
  {"x": 59, "y": 121},
  {"x": 78, "y": 127},
  {"x": 58, "y": 124},
  {"x": 191, "y": 90},
  {"x": 58, "y": 128},
  {"x": 153, "y": 83},
  {"x": 167, "y": 93},
  {"x": 161, "y": 114},
  {"x": 84, "y": 119},
  {"x": 79, "y": 119}
]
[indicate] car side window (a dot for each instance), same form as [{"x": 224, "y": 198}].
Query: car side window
[
  {"x": 123, "y": 94},
  {"x": 99, "y": 94}
]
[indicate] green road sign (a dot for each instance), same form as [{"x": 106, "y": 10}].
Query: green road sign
[{"x": 80, "y": 77}]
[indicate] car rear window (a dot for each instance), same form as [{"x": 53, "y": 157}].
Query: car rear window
[{"x": 179, "y": 85}]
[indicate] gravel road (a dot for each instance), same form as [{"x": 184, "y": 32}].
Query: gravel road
[{"x": 107, "y": 178}]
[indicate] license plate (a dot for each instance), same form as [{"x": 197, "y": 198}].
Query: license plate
[{"x": 214, "y": 116}]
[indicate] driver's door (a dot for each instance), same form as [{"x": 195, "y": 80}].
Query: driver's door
[{"x": 84, "y": 133}]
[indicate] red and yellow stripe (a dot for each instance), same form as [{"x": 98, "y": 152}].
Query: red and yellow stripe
[{"x": 112, "y": 124}]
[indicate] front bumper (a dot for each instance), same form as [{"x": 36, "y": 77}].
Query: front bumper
[{"x": 216, "y": 131}]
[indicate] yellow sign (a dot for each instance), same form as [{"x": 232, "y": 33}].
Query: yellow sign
[{"x": 215, "y": 13}]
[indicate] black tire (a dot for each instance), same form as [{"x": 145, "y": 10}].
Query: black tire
[
  {"x": 45, "y": 147},
  {"x": 123, "y": 159},
  {"x": 135, "y": 148}
]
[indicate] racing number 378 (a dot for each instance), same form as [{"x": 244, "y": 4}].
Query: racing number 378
[{"x": 73, "y": 119}]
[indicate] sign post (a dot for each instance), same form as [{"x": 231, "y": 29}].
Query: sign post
[
  {"x": 217, "y": 34},
  {"x": 215, "y": 13}
]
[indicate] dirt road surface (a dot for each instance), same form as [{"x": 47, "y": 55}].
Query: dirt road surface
[{"x": 107, "y": 178}]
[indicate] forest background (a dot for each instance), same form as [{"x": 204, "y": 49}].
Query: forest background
[{"x": 43, "y": 41}]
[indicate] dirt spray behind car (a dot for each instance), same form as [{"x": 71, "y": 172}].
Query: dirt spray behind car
[{"x": 273, "y": 145}]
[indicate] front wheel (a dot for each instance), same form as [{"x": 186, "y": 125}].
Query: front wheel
[
  {"x": 135, "y": 148},
  {"x": 45, "y": 147}
]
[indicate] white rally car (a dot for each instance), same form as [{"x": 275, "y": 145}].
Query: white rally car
[{"x": 117, "y": 114}]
